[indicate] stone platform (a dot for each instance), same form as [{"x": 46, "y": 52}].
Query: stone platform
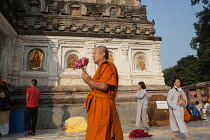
[{"x": 59, "y": 103}]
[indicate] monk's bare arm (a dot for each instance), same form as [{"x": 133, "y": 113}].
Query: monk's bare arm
[{"x": 96, "y": 85}]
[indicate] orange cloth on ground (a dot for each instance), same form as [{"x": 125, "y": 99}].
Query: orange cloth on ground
[{"x": 103, "y": 119}]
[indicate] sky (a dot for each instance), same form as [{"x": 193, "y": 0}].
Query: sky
[{"x": 174, "y": 23}]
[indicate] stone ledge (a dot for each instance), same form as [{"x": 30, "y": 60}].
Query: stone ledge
[{"x": 85, "y": 88}]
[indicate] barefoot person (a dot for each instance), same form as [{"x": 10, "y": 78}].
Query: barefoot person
[
  {"x": 177, "y": 100},
  {"x": 103, "y": 120}
]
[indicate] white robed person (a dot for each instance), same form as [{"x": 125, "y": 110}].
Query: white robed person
[
  {"x": 177, "y": 100},
  {"x": 142, "y": 106}
]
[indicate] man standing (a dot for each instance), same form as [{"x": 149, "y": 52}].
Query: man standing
[
  {"x": 31, "y": 112},
  {"x": 103, "y": 119}
]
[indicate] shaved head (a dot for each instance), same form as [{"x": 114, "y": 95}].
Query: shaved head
[{"x": 105, "y": 50}]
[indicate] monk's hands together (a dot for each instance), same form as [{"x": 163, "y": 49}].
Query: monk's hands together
[{"x": 86, "y": 77}]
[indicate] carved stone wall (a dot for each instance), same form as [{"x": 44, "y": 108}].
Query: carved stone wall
[
  {"x": 57, "y": 49},
  {"x": 58, "y": 29}
]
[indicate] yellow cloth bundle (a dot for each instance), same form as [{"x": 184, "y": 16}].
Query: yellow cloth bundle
[{"x": 76, "y": 124}]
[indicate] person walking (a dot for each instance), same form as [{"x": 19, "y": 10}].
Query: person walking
[
  {"x": 103, "y": 119},
  {"x": 32, "y": 103},
  {"x": 177, "y": 100},
  {"x": 142, "y": 106}
]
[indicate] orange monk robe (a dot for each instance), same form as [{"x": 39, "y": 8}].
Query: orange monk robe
[{"x": 103, "y": 119}]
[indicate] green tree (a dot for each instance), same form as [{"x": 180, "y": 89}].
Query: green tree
[
  {"x": 201, "y": 42},
  {"x": 194, "y": 2},
  {"x": 193, "y": 69},
  {"x": 186, "y": 69}
]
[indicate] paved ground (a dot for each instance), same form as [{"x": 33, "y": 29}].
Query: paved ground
[{"x": 199, "y": 130}]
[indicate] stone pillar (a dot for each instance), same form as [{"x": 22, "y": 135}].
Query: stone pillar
[
  {"x": 90, "y": 67},
  {"x": 15, "y": 63},
  {"x": 5, "y": 58},
  {"x": 53, "y": 65},
  {"x": 157, "y": 65},
  {"x": 125, "y": 78}
]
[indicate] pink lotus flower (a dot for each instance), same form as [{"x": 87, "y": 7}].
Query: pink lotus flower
[
  {"x": 81, "y": 63},
  {"x": 84, "y": 61},
  {"x": 78, "y": 63}
]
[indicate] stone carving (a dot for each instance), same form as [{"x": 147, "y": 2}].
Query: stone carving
[
  {"x": 73, "y": 28},
  {"x": 138, "y": 31},
  {"x": 61, "y": 27},
  {"x": 25, "y": 25},
  {"x": 113, "y": 13},
  {"x": 107, "y": 29},
  {"x": 84, "y": 28},
  {"x": 111, "y": 57},
  {"x": 96, "y": 28},
  {"x": 37, "y": 26},
  {"x": 85, "y": 24},
  {"x": 128, "y": 30},
  {"x": 147, "y": 31},
  {"x": 49, "y": 26},
  {"x": 35, "y": 59},
  {"x": 140, "y": 63},
  {"x": 117, "y": 29},
  {"x": 71, "y": 59}
]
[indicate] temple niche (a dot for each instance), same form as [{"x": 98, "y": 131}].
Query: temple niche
[
  {"x": 43, "y": 38},
  {"x": 140, "y": 62},
  {"x": 35, "y": 59},
  {"x": 70, "y": 61}
]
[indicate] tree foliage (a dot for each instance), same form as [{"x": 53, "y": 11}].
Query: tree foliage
[
  {"x": 193, "y": 69},
  {"x": 201, "y": 42},
  {"x": 186, "y": 69},
  {"x": 194, "y": 2}
]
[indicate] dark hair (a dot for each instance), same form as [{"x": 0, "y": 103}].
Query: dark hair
[
  {"x": 34, "y": 82},
  {"x": 105, "y": 50},
  {"x": 143, "y": 86},
  {"x": 176, "y": 78}
]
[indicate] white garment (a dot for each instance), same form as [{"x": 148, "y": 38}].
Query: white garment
[
  {"x": 141, "y": 99},
  {"x": 176, "y": 117},
  {"x": 4, "y": 129}
]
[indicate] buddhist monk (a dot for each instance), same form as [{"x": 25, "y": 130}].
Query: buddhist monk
[{"x": 103, "y": 119}]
